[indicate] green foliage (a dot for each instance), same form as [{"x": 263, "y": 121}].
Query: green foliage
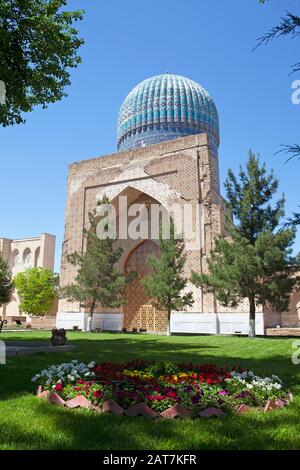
[
  {"x": 266, "y": 356},
  {"x": 38, "y": 44},
  {"x": 98, "y": 280},
  {"x": 95, "y": 392},
  {"x": 294, "y": 220},
  {"x": 249, "y": 196},
  {"x": 167, "y": 282},
  {"x": 256, "y": 263},
  {"x": 6, "y": 283},
  {"x": 37, "y": 290},
  {"x": 163, "y": 367},
  {"x": 261, "y": 272}
]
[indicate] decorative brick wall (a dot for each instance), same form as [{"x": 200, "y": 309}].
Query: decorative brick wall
[{"x": 176, "y": 171}]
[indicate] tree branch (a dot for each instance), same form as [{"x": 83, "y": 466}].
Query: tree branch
[
  {"x": 291, "y": 151},
  {"x": 289, "y": 25}
]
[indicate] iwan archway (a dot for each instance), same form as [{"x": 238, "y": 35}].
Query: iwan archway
[{"x": 138, "y": 312}]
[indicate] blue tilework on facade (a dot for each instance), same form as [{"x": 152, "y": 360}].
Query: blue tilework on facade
[{"x": 165, "y": 107}]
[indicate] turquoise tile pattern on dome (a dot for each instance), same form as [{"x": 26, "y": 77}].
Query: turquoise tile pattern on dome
[{"x": 165, "y": 107}]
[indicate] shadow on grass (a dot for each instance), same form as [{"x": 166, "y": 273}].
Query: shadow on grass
[
  {"x": 265, "y": 358},
  {"x": 56, "y": 428}
]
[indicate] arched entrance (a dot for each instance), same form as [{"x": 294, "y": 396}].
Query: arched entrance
[{"x": 138, "y": 312}]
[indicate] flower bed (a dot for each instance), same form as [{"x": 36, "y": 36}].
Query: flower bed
[{"x": 160, "y": 388}]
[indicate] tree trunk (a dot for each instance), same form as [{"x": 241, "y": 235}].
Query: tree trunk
[
  {"x": 169, "y": 323},
  {"x": 90, "y": 317},
  {"x": 252, "y": 317}
]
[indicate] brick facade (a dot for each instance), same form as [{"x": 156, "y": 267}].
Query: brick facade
[
  {"x": 184, "y": 170},
  {"x": 177, "y": 171}
]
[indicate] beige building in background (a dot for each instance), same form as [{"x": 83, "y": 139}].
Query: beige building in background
[{"x": 22, "y": 254}]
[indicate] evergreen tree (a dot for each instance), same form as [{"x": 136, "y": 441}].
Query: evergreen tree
[
  {"x": 249, "y": 197},
  {"x": 167, "y": 282},
  {"x": 294, "y": 220},
  {"x": 261, "y": 272},
  {"x": 6, "y": 283},
  {"x": 98, "y": 280},
  {"x": 37, "y": 289},
  {"x": 256, "y": 264}
]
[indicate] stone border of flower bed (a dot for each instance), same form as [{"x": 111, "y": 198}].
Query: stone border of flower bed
[{"x": 140, "y": 409}]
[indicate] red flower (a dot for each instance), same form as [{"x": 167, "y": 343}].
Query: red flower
[
  {"x": 58, "y": 387},
  {"x": 171, "y": 395},
  {"x": 97, "y": 394}
]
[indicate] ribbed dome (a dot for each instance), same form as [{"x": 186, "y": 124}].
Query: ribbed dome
[{"x": 165, "y": 107}]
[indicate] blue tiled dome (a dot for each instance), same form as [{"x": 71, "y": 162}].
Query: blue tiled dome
[{"x": 165, "y": 107}]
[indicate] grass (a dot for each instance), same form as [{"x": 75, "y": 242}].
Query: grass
[{"x": 29, "y": 423}]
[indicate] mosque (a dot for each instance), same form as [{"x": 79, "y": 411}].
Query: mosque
[{"x": 168, "y": 139}]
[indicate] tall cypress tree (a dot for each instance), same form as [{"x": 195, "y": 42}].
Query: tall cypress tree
[{"x": 256, "y": 264}]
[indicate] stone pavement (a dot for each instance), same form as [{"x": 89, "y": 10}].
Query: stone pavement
[{"x": 24, "y": 348}]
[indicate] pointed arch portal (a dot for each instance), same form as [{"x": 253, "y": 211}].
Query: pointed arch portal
[{"x": 138, "y": 312}]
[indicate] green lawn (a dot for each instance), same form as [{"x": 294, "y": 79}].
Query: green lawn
[{"x": 29, "y": 423}]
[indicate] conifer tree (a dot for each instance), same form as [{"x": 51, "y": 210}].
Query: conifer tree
[
  {"x": 250, "y": 199},
  {"x": 256, "y": 263},
  {"x": 165, "y": 286}
]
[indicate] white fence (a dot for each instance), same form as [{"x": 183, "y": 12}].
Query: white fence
[
  {"x": 2, "y": 353},
  {"x": 215, "y": 323},
  {"x": 197, "y": 323},
  {"x": 104, "y": 321}
]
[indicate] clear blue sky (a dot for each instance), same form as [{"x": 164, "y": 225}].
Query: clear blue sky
[{"x": 209, "y": 41}]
